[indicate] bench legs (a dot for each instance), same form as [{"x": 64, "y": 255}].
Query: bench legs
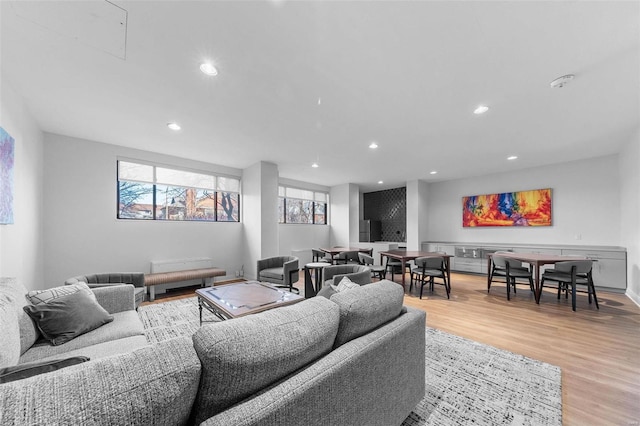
[{"x": 206, "y": 282}]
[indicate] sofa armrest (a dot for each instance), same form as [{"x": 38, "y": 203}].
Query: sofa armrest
[
  {"x": 115, "y": 298},
  {"x": 153, "y": 385},
  {"x": 389, "y": 358}
]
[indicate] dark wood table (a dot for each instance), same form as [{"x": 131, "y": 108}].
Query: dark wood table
[
  {"x": 334, "y": 251},
  {"x": 405, "y": 256},
  {"x": 534, "y": 259},
  {"x": 311, "y": 286},
  {"x": 239, "y": 299}
]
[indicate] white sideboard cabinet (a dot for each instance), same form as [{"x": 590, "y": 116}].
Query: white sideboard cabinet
[{"x": 609, "y": 268}]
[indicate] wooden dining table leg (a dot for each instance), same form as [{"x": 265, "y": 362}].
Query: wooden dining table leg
[
  {"x": 403, "y": 262},
  {"x": 489, "y": 260},
  {"x": 537, "y": 289}
]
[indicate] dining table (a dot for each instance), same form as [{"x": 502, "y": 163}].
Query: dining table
[
  {"x": 534, "y": 259},
  {"x": 405, "y": 256},
  {"x": 335, "y": 251}
]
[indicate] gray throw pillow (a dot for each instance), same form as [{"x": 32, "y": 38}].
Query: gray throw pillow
[
  {"x": 65, "y": 317},
  {"x": 30, "y": 369}
]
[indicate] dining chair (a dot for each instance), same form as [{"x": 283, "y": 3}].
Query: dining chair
[
  {"x": 393, "y": 266},
  {"x": 320, "y": 256},
  {"x": 426, "y": 270},
  {"x": 571, "y": 274},
  {"x": 347, "y": 257},
  {"x": 377, "y": 271},
  {"x": 512, "y": 270}
]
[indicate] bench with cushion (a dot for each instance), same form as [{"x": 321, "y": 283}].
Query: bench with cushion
[{"x": 205, "y": 274}]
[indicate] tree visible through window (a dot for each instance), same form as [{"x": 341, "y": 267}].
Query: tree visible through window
[
  {"x": 158, "y": 193},
  {"x": 302, "y": 206}
]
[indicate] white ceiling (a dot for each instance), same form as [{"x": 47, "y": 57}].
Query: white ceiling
[{"x": 405, "y": 74}]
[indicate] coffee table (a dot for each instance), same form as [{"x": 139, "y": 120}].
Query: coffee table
[{"x": 239, "y": 299}]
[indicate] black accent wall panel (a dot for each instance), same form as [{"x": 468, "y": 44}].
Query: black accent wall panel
[{"x": 390, "y": 208}]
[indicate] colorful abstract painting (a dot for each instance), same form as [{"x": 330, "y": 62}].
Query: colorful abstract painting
[
  {"x": 522, "y": 208},
  {"x": 6, "y": 177}
]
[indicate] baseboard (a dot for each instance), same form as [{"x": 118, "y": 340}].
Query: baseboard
[{"x": 634, "y": 297}]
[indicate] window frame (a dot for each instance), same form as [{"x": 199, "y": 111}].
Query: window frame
[
  {"x": 154, "y": 184},
  {"x": 282, "y": 219}
]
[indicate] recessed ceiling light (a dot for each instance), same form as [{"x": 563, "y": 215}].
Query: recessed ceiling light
[
  {"x": 513, "y": 157},
  {"x": 173, "y": 126},
  {"x": 208, "y": 68},
  {"x": 373, "y": 145},
  {"x": 433, "y": 172},
  {"x": 315, "y": 165},
  {"x": 481, "y": 109},
  {"x": 380, "y": 182}
]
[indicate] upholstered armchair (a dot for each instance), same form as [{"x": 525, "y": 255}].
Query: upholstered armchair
[
  {"x": 279, "y": 270},
  {"x": 114, "y": 278}
]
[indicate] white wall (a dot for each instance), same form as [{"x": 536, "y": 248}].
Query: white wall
[
  {"x": 585, "y": 203},
  {"x": 294, "y": 237},
  {"x": 417, "y": 213},
  {"x": 630, "y": 216},
  {"x": 344, "y": 214},
  {"x": 82, "y": 234},
  {"x": 260, "y": 217},
  {"x": 21, "y": 243},
  {"x": 354, "y": 213}
]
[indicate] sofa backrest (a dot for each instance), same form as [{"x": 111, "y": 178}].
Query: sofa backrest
[
  {"x": 245, "y": 355},
  {"x": 367, "y": 307},
  {"x": 135, "y": 278}
]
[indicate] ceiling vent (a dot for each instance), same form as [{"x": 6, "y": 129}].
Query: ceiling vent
[{"x": 561, "y": 81}]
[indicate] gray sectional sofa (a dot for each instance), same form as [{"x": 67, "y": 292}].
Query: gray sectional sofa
[
  {"x": 354, "y": 359},
  {"x": 126, "y": 380}
]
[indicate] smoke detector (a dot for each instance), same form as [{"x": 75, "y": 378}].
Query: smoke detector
[{"x": 561, "y": 81}]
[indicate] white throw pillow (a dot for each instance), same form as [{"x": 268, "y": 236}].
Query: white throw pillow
[
  {"x": 44, "y": 296},
  {"x": 344, "y": 284}
]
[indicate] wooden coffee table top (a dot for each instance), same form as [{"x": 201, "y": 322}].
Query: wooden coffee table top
[{"x": 249, "y": 297}]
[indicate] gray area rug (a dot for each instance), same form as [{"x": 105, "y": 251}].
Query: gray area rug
[{"x": 467, "y": 383}]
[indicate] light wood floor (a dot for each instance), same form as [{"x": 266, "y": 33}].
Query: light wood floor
[{"x": 598, "y": 350}]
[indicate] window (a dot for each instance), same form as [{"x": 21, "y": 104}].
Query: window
[
  {"x": 150, "y": 192},
  {"x": 302, "y": 206}
]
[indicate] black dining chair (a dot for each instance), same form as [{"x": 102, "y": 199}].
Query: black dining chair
[
  {"x": 377, "y": 271},
  {"x": 512, "y": 270},
  {"x": 320, "y": 256},
  {"x": 571, "y": 274},
  {"x": 347, "y": 257},
  {"x": 394, "y": 266},
  {"x": 427, "y": 269}
]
